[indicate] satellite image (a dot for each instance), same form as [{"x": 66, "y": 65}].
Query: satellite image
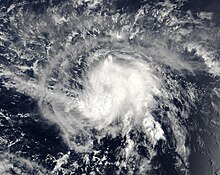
[{"x": 109, "y": 87}]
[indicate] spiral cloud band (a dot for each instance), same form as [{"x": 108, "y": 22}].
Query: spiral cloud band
[{"x": 120, "y": 85}]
